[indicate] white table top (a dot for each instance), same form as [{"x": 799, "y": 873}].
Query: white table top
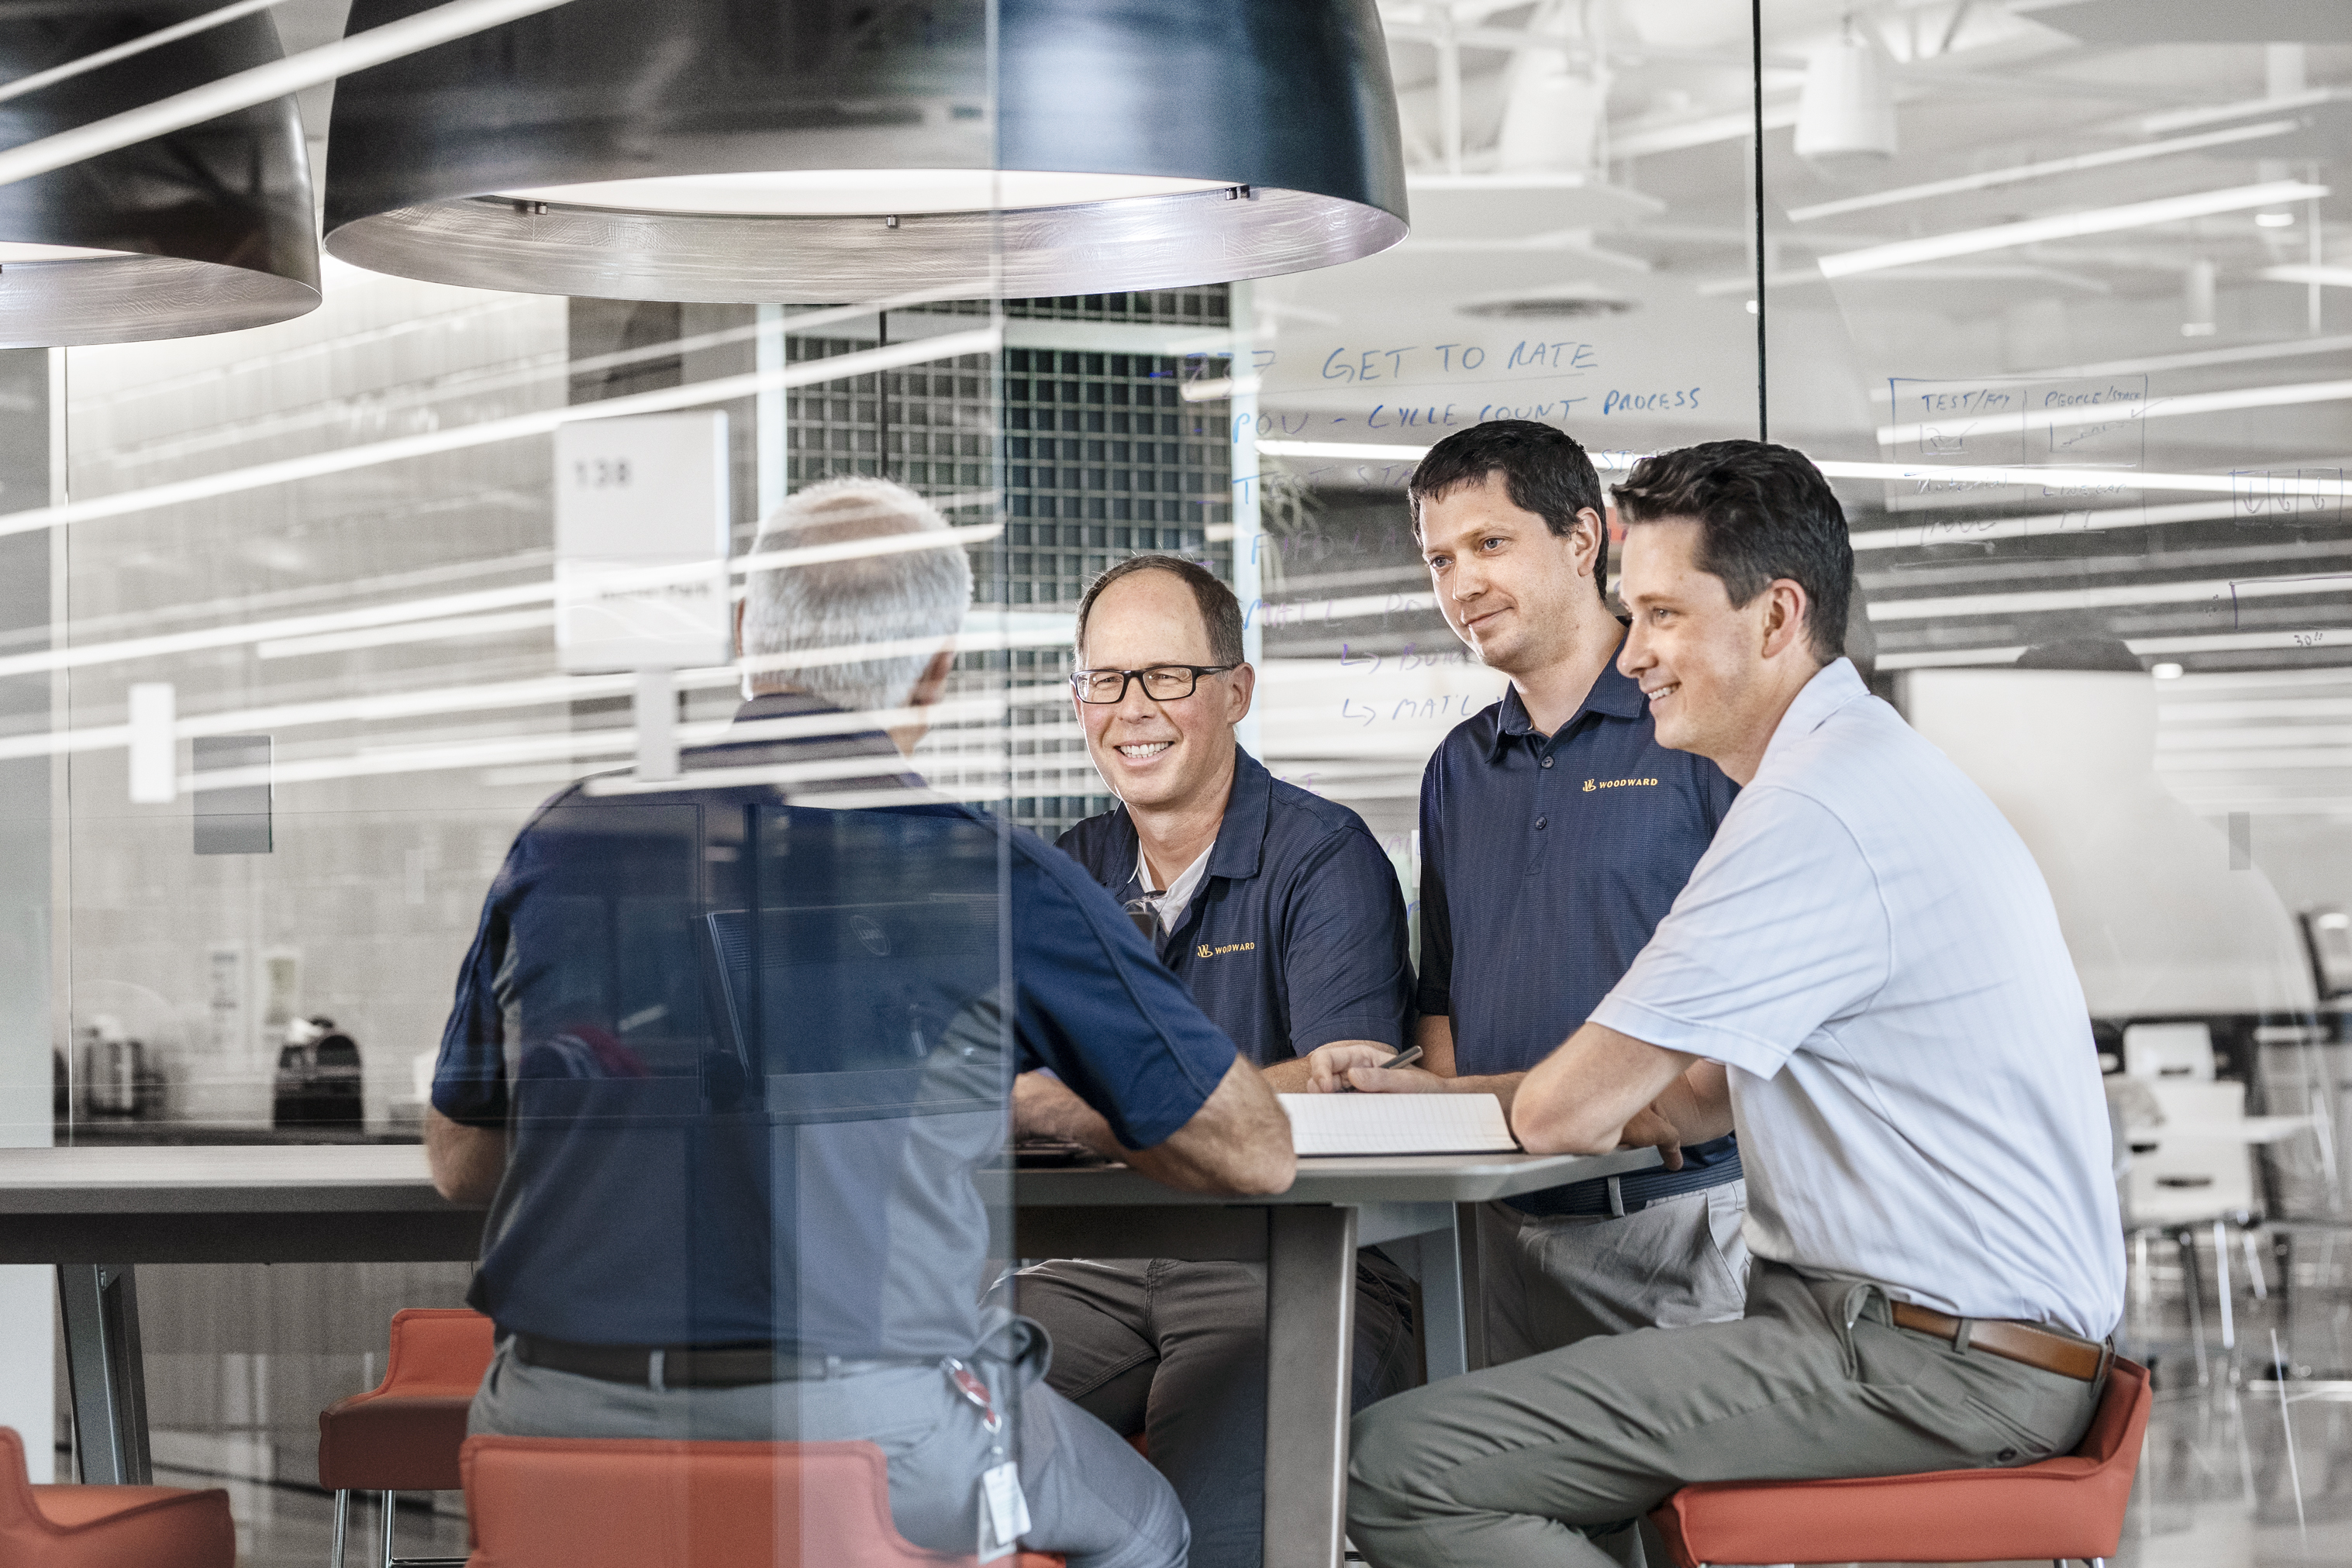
[
  {"x": 174, "y": 1178},
  {"x": 1350, "y": 1178},
  {"x": 376, "y": 1176}
]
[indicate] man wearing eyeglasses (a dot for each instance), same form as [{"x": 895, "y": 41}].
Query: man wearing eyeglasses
[{"x": 1284, "y": 918}]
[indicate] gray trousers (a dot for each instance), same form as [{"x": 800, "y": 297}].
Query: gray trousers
[
  {"x": 1521, "y": 1463},
  {"x": 1550, "y": 1283},
  {"x": 1091, "y": 1497},
  {"x": 1176, "y": 1352}
]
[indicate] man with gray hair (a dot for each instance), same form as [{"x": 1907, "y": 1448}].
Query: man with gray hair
[
  {"x": 900, "y": 608},
  {"x": 729, "y": 1050}
]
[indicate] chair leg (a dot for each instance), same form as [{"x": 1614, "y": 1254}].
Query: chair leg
[
  {"x": 2254, "y": 1267},
  {"x": 391, "y": 1508},
  {"x": 343, "y": 1514},
  {"x": 2221, "y": 1283},
  {"x": 2195, "y": 1291}
]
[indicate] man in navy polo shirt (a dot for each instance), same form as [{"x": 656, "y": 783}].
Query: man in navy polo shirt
[
  {"x": 729, "y": 1050},
  {"x": 1555, "y": 833},
  {"x": 1283, "y": 917}
]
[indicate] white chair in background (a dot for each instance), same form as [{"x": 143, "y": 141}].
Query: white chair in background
[{"x": 2197, "y": 1168}]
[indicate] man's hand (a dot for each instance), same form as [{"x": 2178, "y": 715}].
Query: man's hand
[
  {"x": 1373, "y": 1079},
  {"x": 1327, "y": 1066},
  {"x": 1647, "y": 1128},
  {"x": 1237, "y": 1143},
  {"x": 1044, "y": 1105}
]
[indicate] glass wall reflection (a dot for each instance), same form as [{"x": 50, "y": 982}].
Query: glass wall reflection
[{"x": 2052, "y": 293}]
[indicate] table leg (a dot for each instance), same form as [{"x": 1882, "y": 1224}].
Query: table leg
[
  {"x": 1443, "y": 1339},
  {"x": 1472, "y": 1265},
  {"x": 108, "y": 1380},
  {"x": 1310, "y": 1299}
]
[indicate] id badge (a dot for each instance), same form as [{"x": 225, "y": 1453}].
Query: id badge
[{"x": 1004, "y": 1511}]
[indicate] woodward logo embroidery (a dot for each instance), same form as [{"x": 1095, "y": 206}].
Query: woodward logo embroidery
[
  {"x": 1205, "y": 951},
  {"x": 1592, "y": 784}
]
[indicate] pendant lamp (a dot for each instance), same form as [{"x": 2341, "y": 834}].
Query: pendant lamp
[
  {"x": 203, "y": 230},
  {"x": 1847, "y": 109},
  {"x": 732, "y": 151}
]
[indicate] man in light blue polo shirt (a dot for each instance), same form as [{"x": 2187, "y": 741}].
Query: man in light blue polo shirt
[{"x": 1865, "y": 976}]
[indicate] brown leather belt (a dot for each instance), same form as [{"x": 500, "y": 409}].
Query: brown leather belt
[{"x": 2044, "y": 1349}]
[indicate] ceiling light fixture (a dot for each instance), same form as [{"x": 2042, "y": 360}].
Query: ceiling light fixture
[
  {"x": 1943, "y": 477},
  {"x": 1848, "y": 107},
  {"x": 2066, "y": 225},
  {"x": 2105, "y": 158},
  {"x": 2195, "y": 359},
  {"x": 1556, "y": 302},
  {"x": 202, "y": 229},
  {"x": 2327, "y": 276},
  {"x": 698, "y": 151}
]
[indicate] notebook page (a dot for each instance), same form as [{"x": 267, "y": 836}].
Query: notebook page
[{"x": 1398, "y": 1124}]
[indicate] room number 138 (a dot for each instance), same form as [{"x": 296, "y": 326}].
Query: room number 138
[{"x": 601, "y": 474}]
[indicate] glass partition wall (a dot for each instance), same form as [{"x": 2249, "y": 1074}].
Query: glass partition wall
[
  {"x": 378, "y": 673},
  {"x": 2055, "y": 293},
  {"x": 2048, "y": 290}
]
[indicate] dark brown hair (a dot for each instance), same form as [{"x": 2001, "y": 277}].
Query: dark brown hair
[
  {"x": 1764, "y": 512},
  {"x": 1545, "y": 471}
]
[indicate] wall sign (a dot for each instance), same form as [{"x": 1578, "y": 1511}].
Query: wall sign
[{"x": 641, "y": 535}]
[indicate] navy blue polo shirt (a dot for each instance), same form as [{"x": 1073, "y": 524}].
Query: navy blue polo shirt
[
  {"x": 1546, "y": 863},
  {"x": 1297, "y": 935},
  {"x": 752, "y": 1051}
]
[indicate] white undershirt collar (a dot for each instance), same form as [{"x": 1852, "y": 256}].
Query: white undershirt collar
[{"x": 1171, "y": 904}]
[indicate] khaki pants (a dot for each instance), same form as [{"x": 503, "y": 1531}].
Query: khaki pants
[
  {"x": 1177, "y": 1351},
  {"x": 1550, "y": 1283},
  {"x": 1521, "y": 1464}
]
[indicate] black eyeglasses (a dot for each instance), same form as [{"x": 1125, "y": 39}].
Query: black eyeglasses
[{"x": 1161, "y": 683}]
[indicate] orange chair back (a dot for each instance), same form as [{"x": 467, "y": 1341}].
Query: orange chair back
[
  {"x": 2071, "y": 1506},
  {"x": 437, "y": 1349},
  {"x": 108, "y": 1527},
  {"x": 547, "y": 1502}
]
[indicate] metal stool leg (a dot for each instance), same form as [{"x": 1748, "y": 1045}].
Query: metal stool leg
[
  {"x": 343, "y": 1514},
  {"x": 2221, "y": 1283},
  {"x": 391, "y": 1511},
  {"x": 2195, "y": 1291}
]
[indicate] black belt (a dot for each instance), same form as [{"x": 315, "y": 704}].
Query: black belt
[
  {"x": 1610, "y": 1197},
  {"x": 662, "y": 1367}
]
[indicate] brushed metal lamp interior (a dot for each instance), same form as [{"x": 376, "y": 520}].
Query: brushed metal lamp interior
[
  {"x": 203, "y": 230},
  {"x": 846, "y": 150}
]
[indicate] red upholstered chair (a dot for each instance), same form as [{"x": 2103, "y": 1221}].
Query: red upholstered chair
[
  {"x": 109, "y": 1527},
  {"x": 2059, "y": 1509},
  {"x": 404, "y": 1434},
  {"x": 548, "y": 1502}
]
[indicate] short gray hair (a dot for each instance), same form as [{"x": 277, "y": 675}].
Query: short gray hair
[{"x": 917, "y": 596}]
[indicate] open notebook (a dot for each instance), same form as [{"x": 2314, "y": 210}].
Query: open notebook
[{"x": 1398, "y": 1124}]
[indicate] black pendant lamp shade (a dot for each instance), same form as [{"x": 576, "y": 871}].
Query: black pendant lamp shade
[
  {"x": 734, "y": 150},
  {"x": 207, "y": 229}
]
